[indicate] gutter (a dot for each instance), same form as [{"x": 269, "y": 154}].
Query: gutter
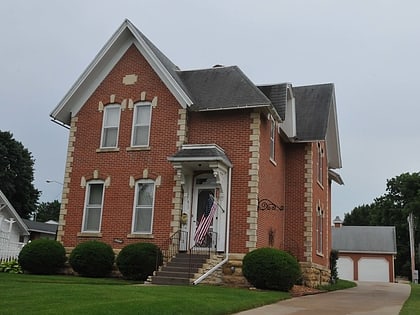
[{"x": 225, "y": 260}]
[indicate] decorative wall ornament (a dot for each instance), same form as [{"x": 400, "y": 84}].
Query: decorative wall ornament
[{"x": 267, "y": 204}]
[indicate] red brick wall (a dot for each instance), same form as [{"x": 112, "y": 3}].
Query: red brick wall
[
  {"x": 271, "y": 186},
  {"x": 227, "y": 129},
  {"x": 119, "y": 166},
  {"x": 295, "y": 191},
  {"x": 320, "y": 198}
]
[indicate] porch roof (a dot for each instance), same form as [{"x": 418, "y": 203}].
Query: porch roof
[{"x": 200, "y": 153}]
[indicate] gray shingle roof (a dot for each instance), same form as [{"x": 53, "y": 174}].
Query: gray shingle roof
[
  {"x": 35, "y": 226},
  {"x": 196, "y": 153},
  {"x": 277, "y": 93},
  {"x": 365, "y": 239},
  {"x": 222, "y": 88},
  {"x": 312, "y": 111}
]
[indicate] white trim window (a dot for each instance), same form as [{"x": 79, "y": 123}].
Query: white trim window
[
  {"x": 320, "y": 161},
  {"x": 143, "y": 207},
  {"x": 110, "y": 126},
  {"x": 319, "y": 230},
  {"x": 272, "y": 138},
  {"x": 92, "y": 215},
  {"x": 141, "y": 124}
]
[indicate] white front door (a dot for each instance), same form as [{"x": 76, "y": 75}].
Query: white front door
[{"x": 204, "y": 188}]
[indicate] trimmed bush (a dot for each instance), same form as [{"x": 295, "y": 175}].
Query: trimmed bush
[
  {"x": 42, "y": 256},
  {"x": 333, "y": 265},
  {"x": 138, "y": 261},
  {"x": 270, "y": 268},
  {"x": 92, "y": 259}
]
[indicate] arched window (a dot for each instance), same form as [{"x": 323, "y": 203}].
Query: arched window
[
  {"x": 110, "y": 126},
  {"x": 92, "y": 214},
  {"x": 143, "y": 206},
  {"x": 141, "y": 124}
]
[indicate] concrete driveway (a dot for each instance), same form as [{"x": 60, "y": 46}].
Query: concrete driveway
[{"x": 367, "y": 298}]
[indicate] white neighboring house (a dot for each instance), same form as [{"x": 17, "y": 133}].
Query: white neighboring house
[{"x": 14, "y": 233}]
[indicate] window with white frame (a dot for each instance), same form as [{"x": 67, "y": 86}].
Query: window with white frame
[
  {"x": 320, "y": 161},
  {"x": 110, "y": 126},
  {"x": 143, "y": 206},
  {"x": 93, "y": 207},
  {"x": 141, "y": 124},
  {"x": 272, "y": 138},
  {"x": 319, "y": 230}
]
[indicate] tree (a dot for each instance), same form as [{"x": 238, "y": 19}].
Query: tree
[
  {"x": 48, "y": 211},
  {"x": 17, "y": 175},
  {"x": 401, "y": 198}
]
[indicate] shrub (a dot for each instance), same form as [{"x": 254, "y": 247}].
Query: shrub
[
  {"x": 333, "y": 265},
  {"x": 138, "y": 261},
  {"x": 11, "y": 266},
  {"x": 42, "y": 256},
  {"x": 92, "y": 259},
  {"x": 270, "y": 268}
]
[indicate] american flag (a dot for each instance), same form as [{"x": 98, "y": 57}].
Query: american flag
[{"x": 206, "y": 219}]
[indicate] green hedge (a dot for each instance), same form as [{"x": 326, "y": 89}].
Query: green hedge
[
  {"x": 92, "y": 259},
  {"x": 138, "y": 261},
  {"x": 42, "y": 256},
  {"x": 270, "y": 268}
]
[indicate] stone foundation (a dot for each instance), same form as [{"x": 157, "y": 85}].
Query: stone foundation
[{"x": 315, "y": 275}]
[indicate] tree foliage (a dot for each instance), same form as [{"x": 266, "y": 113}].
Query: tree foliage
[
  {"x": 17, "y": 175},
  {"x": 48, "y": 211},
  {"x": 401, "y": 198}
]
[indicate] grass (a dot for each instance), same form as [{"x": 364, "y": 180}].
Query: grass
[
  {"x": 412, "y": 305},
  {"x": 339, "y": 285},
  {"x": 32, "y": 294}
]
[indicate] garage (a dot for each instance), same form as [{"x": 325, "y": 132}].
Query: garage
[
  {"x": 365, "y": 253},
  {"x": 373, "y": 269},
  {"x": 345, "y": 268}
]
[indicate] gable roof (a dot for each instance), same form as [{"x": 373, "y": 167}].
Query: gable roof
[
  {"x": 126, "y": 35},
  {"x": 41, "y": 227},
  {"x": 6, "y": 205},
  {"x": 365, "y": 239},
  {"x": 316, "y": 118}
]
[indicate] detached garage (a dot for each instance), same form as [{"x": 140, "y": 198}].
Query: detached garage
[{"x": 366, "y": 253}]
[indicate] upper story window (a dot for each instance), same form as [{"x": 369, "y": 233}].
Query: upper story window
[
  {"x": 92, "y": 215},
  {"x": 143, "y": 207},
  {"x": 141, "y": 124},
  {"x": 319, "y": 230},
  {"x": 320, "y": 162},
  {"x": 272, "y": 138},
  {"x": 110, "y": 126}
]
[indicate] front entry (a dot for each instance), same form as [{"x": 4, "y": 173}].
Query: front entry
[{"x": 204, "y": 191}]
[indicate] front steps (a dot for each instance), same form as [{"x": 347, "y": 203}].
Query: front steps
[{"x": 180, "y": 270}]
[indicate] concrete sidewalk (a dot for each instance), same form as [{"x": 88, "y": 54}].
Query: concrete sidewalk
[{"x": 368, "y": 298}]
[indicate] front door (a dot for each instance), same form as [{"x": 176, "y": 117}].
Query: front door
[{"x": 203, "y": 193}]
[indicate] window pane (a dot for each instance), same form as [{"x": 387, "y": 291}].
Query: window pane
[
  {"x": 92, "y": 219},
  {"x": 145, "y": 194},
  {"x": 142, "y": 115},
  {"x": 141, "y": 135},
  {"x": 112, "y": 116},
  {"x": 143, "y": 220},
  {"x": 110, "y": 137},
  {"x": 95, "y": 194}
]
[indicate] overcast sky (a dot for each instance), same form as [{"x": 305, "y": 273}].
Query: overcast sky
[{"x": 370, "y": 50}]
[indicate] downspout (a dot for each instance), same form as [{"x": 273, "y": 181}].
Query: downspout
[{"x": 225, "y": 260}]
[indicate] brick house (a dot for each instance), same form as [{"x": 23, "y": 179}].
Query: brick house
[{"x": 149, "y": 143}]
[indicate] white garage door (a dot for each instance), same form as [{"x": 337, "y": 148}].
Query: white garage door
[
  {"x": 373, "y": 269},
  {"x": 345, "y": 268}
]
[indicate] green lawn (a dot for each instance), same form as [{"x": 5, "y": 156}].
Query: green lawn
[
  {"x": 339, "y": 285},
  {"x": 31, "y": 294},
  {"x": 412, "y": 305}
]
